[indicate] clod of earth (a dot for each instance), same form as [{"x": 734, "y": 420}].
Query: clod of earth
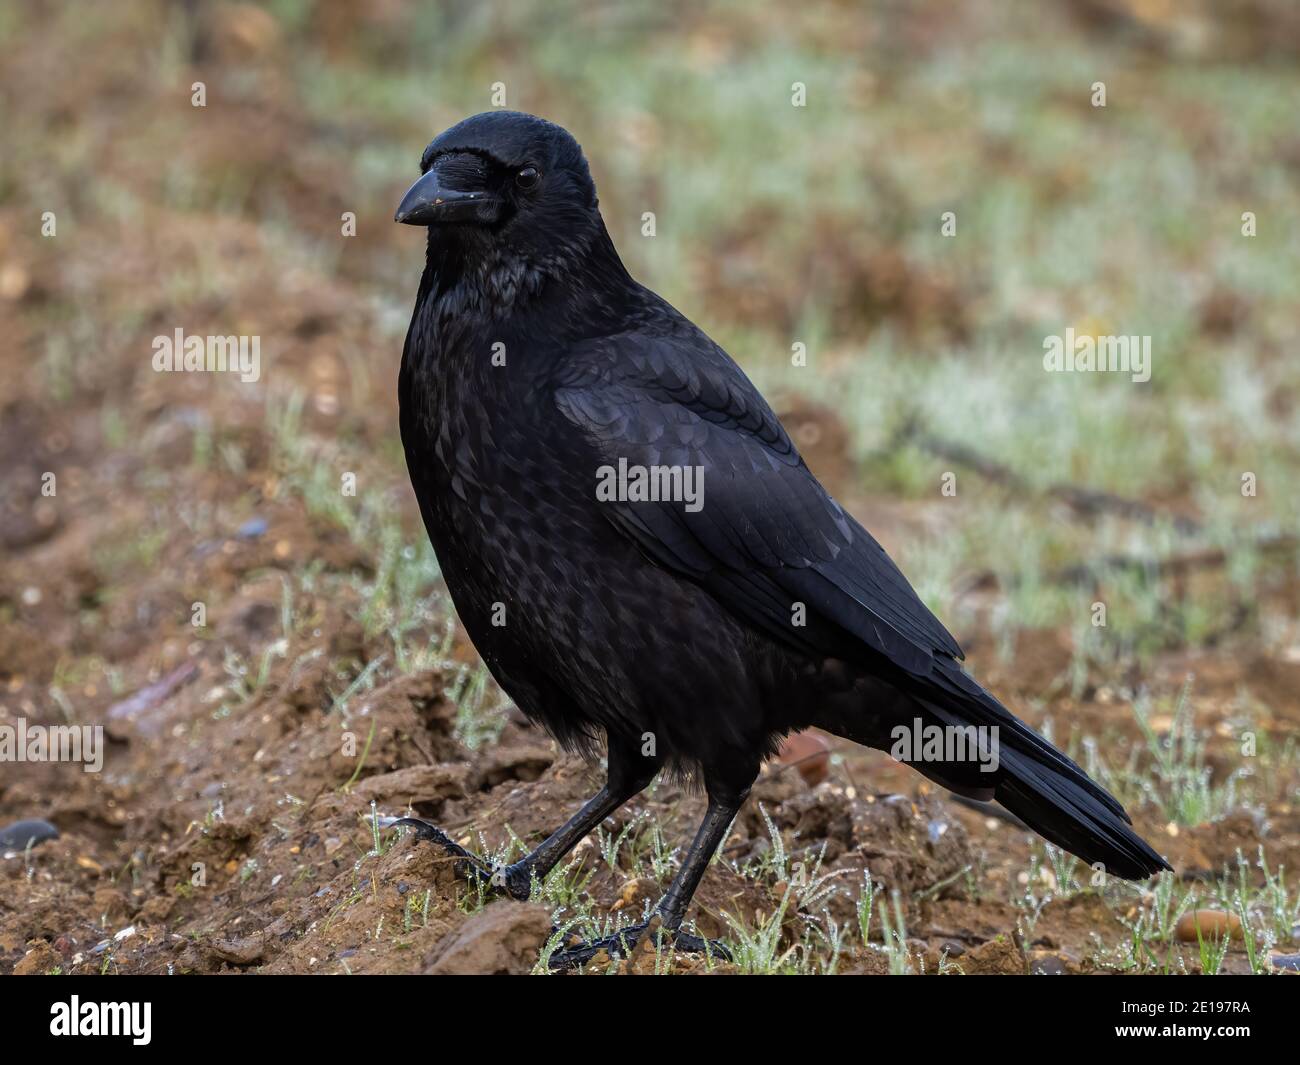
[{"x": 505, "y": 938}]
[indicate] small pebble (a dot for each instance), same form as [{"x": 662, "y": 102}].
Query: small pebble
[
  {"x": 1043, "y": 963},
  {"x": 810, "y": 754},
  {"x": 1214, "y": 924},
  {"x": 19, "y": 834},
  {"x": 252, "y": 529}
]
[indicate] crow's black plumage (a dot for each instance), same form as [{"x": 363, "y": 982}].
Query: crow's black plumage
[{"x": 669, "y": 634}]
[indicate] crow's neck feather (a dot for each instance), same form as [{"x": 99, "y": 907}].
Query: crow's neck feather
[{"x": 468, "y": 276}]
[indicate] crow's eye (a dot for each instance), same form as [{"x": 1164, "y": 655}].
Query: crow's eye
[{"x": 527, "y": 177}]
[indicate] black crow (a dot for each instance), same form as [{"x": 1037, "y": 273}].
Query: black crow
[{"x": 635, "y": 546}]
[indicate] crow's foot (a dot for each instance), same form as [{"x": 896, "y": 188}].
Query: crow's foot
[
  {"x": 624, "y": 942},
  {"x": 513, "y": 880}
]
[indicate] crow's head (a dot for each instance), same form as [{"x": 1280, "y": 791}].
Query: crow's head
[{"x": 506, "y": 182}]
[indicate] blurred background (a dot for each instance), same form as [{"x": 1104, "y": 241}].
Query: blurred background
[{"x": 774, "y": 225}]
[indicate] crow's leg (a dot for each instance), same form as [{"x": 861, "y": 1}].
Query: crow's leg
[
  {"x": 629, "y": 773},
  {"x": 625, "y": 779},
  {"x": 671, "y": 909}
]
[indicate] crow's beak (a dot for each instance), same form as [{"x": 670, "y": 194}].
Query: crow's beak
[{"x": 429, "y": 201}]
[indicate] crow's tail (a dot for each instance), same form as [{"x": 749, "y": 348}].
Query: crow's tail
[
  {"x": 1043, "y": 787},
  {"x": 1005, "y": 761},
  {"x": 1061, "y": 805}
]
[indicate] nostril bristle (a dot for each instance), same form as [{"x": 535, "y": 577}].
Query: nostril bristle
[{"x": 462, "y": 171}]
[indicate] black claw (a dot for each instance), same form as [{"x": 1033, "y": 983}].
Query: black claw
[
  {"x": 684, "y": 941},
  {"x": 623, "y": 942},
  {"x": 429, "y": 831},
  {"x": 512, "y": 880}
]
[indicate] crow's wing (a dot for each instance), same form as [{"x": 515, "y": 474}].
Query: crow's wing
[{"x": 767, "y": 536}]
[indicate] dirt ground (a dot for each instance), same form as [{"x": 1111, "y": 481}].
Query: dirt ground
[
  {"x": 232, "y": 828},
  {"x": 241, "y": 841}
]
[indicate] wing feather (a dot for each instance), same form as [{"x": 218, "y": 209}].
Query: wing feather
[{"x": 767, "y": 535}]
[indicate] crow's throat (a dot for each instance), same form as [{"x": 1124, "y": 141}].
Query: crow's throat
[{"x": 476, "y": 274}]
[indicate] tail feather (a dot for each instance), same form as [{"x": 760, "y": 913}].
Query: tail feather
[
  {"x": 1030, "y": 778},
  {"x": 1061, "y": 807},
  {"x": 1042, "y": 786}
]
